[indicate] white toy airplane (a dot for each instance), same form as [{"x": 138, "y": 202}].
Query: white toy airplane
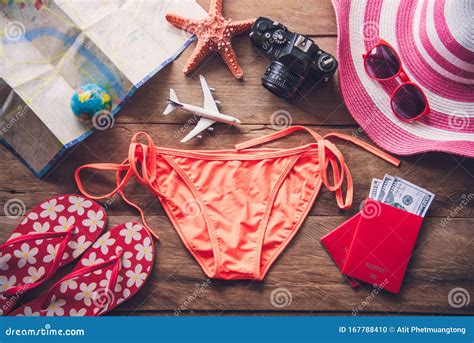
[{"x": 209, "y": 113}]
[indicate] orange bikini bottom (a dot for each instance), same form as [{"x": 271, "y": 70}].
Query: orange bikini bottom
[{"x": 236, "y": 210}]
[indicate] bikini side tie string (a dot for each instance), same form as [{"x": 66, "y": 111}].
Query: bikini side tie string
[
  {"x": 140, "y": 156},
  {"x": 328, "y": 154},
  {"x": 142, "y": 163}
]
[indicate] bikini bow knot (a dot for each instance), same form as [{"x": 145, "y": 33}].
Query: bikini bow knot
[{"x": 141, "y": 163}]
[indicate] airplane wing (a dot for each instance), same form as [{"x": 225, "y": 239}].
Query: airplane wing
[
  {"x": 202, "y": 125},
  {"x": 209, "y": 103}
]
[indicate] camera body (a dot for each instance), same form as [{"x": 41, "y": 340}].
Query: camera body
[{"x": 293, "y": 57}]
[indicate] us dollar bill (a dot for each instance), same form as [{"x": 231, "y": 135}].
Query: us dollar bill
[
  {"x": 408, "y": 197},
  {"x": 386, "y": 183},
  {"x": 374, "y": 188}
]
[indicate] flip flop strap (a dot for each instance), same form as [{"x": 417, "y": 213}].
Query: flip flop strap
[
  {"x": 32, "y": 236},
  {"x": 56, "y": 261},
  {"x": 116, "y": 261}
]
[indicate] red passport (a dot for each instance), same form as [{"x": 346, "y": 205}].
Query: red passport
[
  {"x": 338, "y": 242},
  {"x": 382, "y": 245}
]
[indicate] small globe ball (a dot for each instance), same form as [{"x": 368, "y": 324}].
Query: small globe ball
[{"x": 89, "y": 100}]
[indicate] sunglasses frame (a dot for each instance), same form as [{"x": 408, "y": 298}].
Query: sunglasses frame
[{"x": 403, "y": 77}]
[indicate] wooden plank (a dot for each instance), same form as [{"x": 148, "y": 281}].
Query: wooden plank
[
  {"x": 306, "y": 274},
  {"x": 247, "y": 99},
  {"x": 448, "y": 177},
  {"x": 295, "y": 14},
  {"x": 444, "y": 253}
]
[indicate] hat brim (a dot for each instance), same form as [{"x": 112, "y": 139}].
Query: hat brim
[{"x": 447, "y": 81}]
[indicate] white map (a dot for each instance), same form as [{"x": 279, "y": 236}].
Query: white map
[{"x": 50, "y": 48}]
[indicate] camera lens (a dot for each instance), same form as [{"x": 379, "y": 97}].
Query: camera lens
[{"x": 282, "y": 81}]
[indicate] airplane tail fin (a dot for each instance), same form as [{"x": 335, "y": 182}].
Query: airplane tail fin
[{"x": 173, "y": 102}]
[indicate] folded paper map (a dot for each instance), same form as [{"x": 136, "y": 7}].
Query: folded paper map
[{"x": 50, "y": 48}]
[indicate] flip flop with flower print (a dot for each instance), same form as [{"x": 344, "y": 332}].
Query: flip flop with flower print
[
  {"x": 51, "y": 235},
  {"x": 110, "y": 272}
]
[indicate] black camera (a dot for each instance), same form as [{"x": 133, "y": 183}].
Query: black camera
[{"x": 293, "y": 58}]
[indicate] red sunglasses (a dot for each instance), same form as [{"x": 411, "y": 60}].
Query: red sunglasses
[{"x": 408, "y": 101}]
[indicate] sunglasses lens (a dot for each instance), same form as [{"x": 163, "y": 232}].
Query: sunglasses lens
[
  {"x": 408, "y": 102},
  {"x": 382, "y": 62}
]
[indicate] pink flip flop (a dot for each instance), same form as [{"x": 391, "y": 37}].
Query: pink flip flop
[
  {"x": 110, "y": 272},
  {"x": 50, "y": 236}
]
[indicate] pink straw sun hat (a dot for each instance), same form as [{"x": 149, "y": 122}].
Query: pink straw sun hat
[{"x": 435, "y": 42}]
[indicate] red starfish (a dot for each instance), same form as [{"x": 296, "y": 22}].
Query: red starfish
[{"x": 214, "y": 34}]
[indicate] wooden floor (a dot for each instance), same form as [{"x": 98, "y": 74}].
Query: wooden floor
[{"x": 444, "y": 253}]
